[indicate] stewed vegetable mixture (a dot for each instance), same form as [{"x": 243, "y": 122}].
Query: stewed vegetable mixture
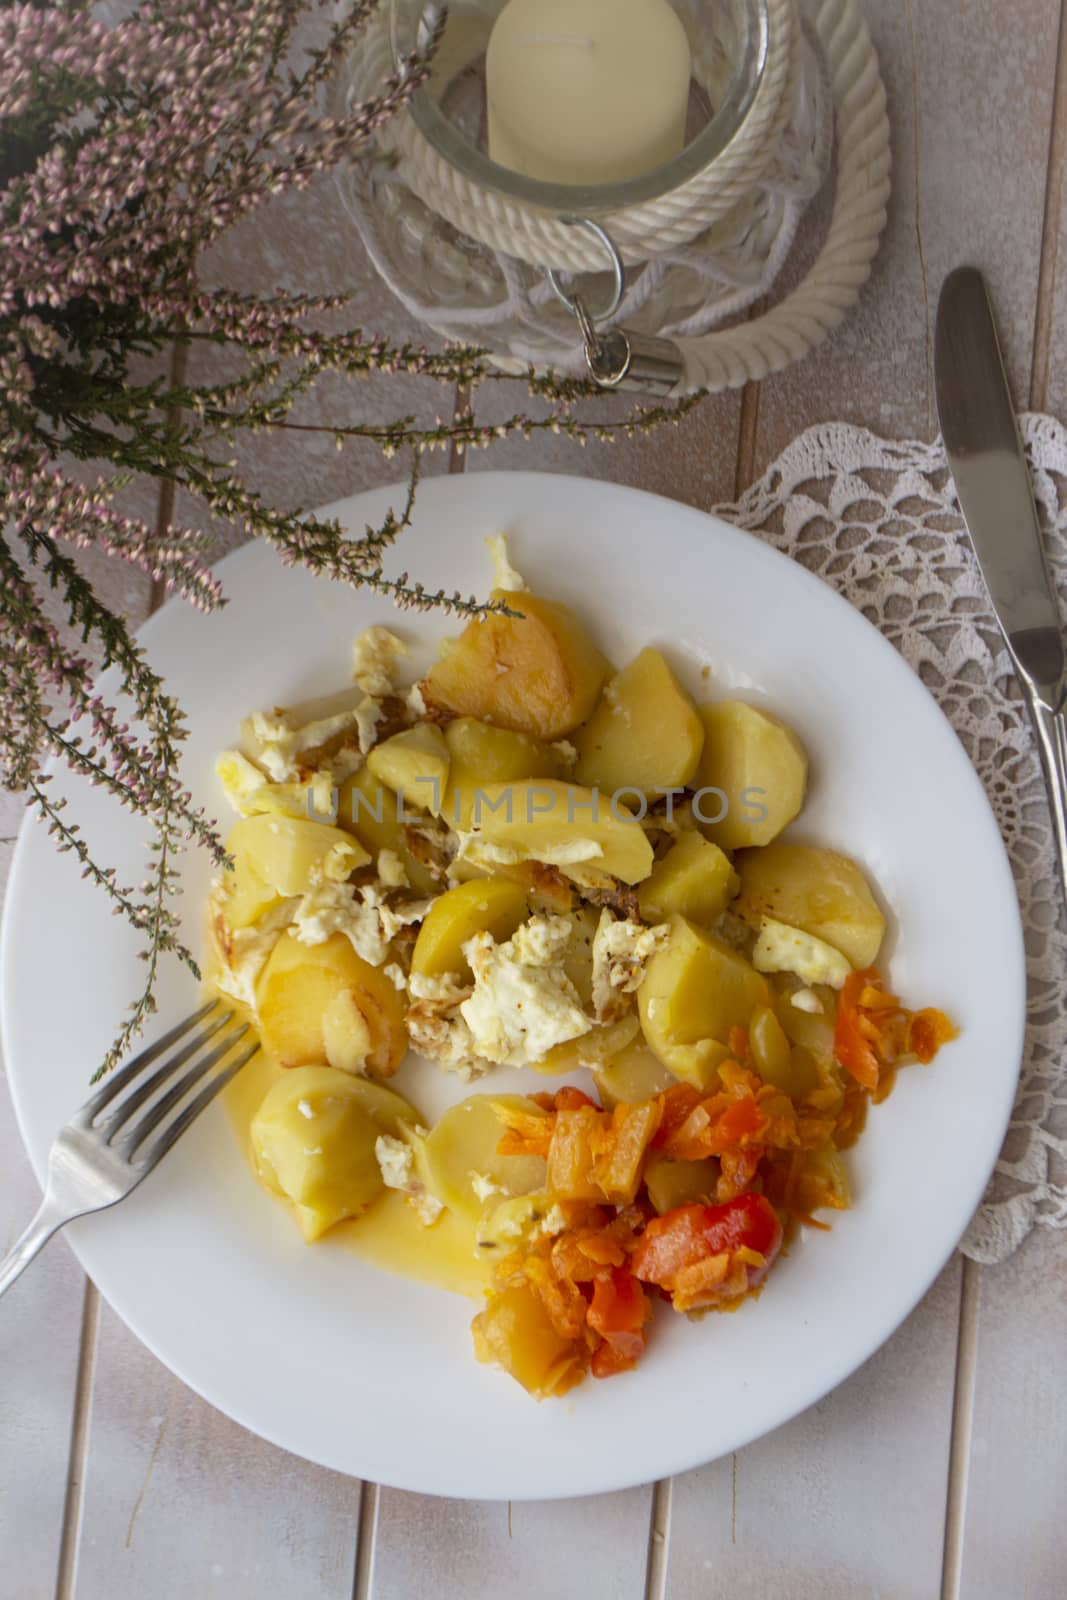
[{"x": 531, "y": 860}]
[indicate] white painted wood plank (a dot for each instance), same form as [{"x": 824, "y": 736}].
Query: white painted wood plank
[
  {"x": 179, "y": 1501},
  {"x": 40, "y": 1324},
  {"x": 427, "y": 1549},
  {"x": 1015, "y": 1533},
  {"x": 844, "y": 1503},
  {"x": 41, "y": 1316},
  {"x": 970, "y": 100}
]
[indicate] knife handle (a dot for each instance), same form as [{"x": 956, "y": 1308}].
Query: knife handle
[{"x": 1051, "y": 731}]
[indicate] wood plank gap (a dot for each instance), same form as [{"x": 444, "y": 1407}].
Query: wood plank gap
[
  {"x": 1051, "y": 228},
  {"x": 363, "y": 1579},
  {"x": 659, "y": 1538},
  {"x": 747, "y": 429},
  {"x": 962, "y": 1426},
  {"x": 79, "y": 1444},
  {"x": 457, "y": 455},
  {"x": 167, "y": 493}
]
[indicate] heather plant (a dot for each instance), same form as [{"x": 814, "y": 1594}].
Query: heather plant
[{"x": 126, "y": 149}]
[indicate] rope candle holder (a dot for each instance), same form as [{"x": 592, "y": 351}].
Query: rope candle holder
[{"x": 643, "y": 282}]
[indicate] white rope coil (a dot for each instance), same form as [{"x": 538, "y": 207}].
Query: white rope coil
[{"x": 729, "y": 358}]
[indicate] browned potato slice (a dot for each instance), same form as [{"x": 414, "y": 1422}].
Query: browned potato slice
[
  {"x": 514, "y": 1332},
  {"x": 482, "y": 754},
  {"x": 694, "y": 879},
  {"x": 545, "y": 820},
  {"x": 694, "y": 991},
  {"x": 644, "y": 734},
  {"x": 322, "y": 1003},
  {"x": 367, "y": 809},
  {"x": 313, "y": 1139},
  {"x": 818, "y": 890},
  {"x": 414, "y": 764},
  {"x": 485, "y": 905},
  {"x": 537, "y": 673},
  {"x": 759, "y": 767}
]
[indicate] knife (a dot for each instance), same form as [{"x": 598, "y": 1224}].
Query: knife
[{"x": 988, "y": 465}]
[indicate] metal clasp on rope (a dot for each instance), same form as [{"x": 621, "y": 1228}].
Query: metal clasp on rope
[{"x": 618, "y": 358}]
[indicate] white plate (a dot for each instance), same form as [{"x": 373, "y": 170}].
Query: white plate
[{"x": 372, "y": 1374}]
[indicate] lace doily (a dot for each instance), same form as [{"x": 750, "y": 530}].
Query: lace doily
[{"x": 878, "y": 521}]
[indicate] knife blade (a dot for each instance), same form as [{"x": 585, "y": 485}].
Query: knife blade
[
  {"x": 988, "y": 465},
  {"x": 992, "y": 480}
]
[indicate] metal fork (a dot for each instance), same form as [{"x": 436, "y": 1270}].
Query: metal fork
[{"x": 102, "y": 1155}]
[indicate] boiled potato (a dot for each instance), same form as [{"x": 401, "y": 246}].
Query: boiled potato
[
  {"x": 632, "y": 1075},
  {"x": 694, "y": 879},
  {"x": 515, "y": 1332},
  {"x": 594, "y": 1049},
  {"x": 537, "y": 673},
  {"x": 464, "y": 1143},
  {"x": 644, "y": 734},
  {"x": 323, "y": 1003},
  {"x": 695, "y": 990},
  {"x": 485, "y": 905},
  {"x": 367, "y": 809},
  {"x": 414, "y": 764},
  {"x": 680, "y": 1183},
  {"x": 818, "y": 890},
  {"x": 760, "y": 767},
  {"x": 273, "y": 858},
  {"x": 313, "y": 1139},
  {"x": 482, "y": 754},
  {"x": 578, "y": 956},
  {"x": 565, "y": 825}
]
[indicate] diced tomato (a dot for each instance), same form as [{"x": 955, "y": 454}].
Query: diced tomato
[
  {"x": 740, "y": 1121},
  {"x": 686, "y": 1236},
  {"x": 618, "y": 1311}
]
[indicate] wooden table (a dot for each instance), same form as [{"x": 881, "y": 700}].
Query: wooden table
[{"x": 939, "y": 1467}]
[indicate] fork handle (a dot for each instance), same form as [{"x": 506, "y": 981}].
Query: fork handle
[
  {"x": 1052, "y": 743},
  {"x": 49, "y": 1218}
]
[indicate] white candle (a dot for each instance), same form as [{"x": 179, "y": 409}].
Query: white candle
[{"x": 587, "y": 91}]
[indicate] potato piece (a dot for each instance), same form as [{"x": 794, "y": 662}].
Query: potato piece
[
  {"x": 414, "y": 764},
  {"x": 538, "y": 673},
  {"x": 695, "y": 990},
  {"x": 564, "y": 825},
  {"x": 313, "y": 1140},
  {"x": 818, "y": 890},
  {"x": 273, "y": 858},
  {"x": 368, "y": 810},
  {"x": 594, "y": 1049},
  {"x": 482, "y": 754},
  {"x": 465, "y": 1141},
  {"x": 301, "y": 1012},
  {"x": 758, "y": 764},
  {"x": 578, "y": 956},
  {"x": 506, "y": 1223},
  {"x": 515, "y": 1332},
  {"x": 633, "y": 1074},
  {"x": 485, "y": 905},
  {"x": 680, "y": 1183},
  {"x": 644, "y": 734},
  {"x": 694, "y": 879}
]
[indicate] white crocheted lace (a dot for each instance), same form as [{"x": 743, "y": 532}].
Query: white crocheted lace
[{"x": 878, "y": 520}]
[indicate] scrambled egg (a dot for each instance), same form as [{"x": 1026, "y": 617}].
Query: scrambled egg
[
  {"x": 375, "y": 657},
  {"x": 504, "y": 574},
  {"x": 523, "y": 1002},
  {"x": 621, "y": 952},
  {"x": 781, "y": 948}
]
